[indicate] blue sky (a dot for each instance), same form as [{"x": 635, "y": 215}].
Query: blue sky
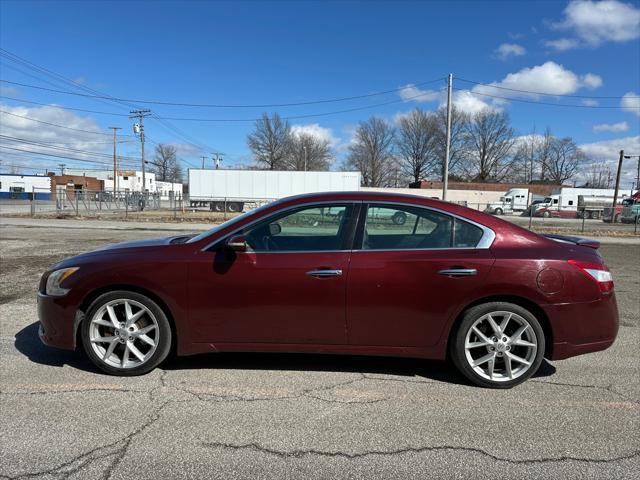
[{"x": 280, "y": 52}]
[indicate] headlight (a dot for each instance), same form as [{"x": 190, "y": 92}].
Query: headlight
[{"x": 56, "y": 278}]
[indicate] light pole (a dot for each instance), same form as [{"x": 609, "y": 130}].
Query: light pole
[{"x": 638, "y": 172}]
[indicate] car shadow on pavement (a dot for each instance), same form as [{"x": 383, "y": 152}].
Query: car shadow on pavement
[{"x": 28, "y": 343}]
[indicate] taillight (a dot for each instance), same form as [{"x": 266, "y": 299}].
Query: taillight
[{"x": 597, "y": 272}]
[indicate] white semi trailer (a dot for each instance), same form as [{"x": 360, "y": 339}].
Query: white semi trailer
[{"x": 229, "y": 190}]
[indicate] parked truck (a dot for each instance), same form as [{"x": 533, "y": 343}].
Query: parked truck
[
  {"x": 614, "y": 214},
  {"x": 569, "y": 202},
  {"x": 515, "y": 200},
  {"x": 229, "y": 190},
  {"x": 631, "y": 209}
]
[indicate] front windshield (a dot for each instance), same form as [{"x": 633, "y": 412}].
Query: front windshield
[
  {"x": 547, "y": 200},
  {"x": 228, "y": 223}
]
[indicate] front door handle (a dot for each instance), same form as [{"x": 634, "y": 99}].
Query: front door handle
[
  {"x": 458, "y": 272},
  {"x": 324, "y": 273}
]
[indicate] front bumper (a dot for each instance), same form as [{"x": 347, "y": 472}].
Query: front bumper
[
  {"x": 59, "y": 320},
  {"x": 580, "y": 328}
]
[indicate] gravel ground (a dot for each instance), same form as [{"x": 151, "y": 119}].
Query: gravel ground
[{"x": 294, "y": 416}]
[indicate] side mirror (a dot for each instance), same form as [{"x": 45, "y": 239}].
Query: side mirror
[
  {"x": 237, "y": 243},
  {"x": 274, "y": 229}
]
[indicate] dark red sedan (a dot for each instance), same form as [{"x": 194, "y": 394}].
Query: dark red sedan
[{"x": 359, "y": 273}]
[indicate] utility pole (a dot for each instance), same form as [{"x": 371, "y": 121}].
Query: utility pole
[
  {"x": 203, "y": 160},
  {"x": 62, "y": 165},
  {"x": 115, "y": 163},
  {"x": 217, "y": 159},
  {"x": 445, "y": 179},
  {"x": 138, "y": 128},
  {"x": 615, "y": 192}
]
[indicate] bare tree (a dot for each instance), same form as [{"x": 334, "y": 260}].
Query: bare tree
[
  {"x": 566, "y": 159},
  {"x": 269, "y": 143},
  {"x": 165, "y": 164},
  {"x": 599, "y": 175},
  {"x": 371, "y": 152},
  {"x": 489, "y": 141},
  {"x": 459, "y": 122},
  {"x": 308, "y": 152},
  {"x": 415, "y": 142},
  {"x": 545, "y": 151}
]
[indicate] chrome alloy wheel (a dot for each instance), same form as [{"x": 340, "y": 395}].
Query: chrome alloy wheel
[
  {"x": 124, "y": 333},
  {"x": 501, "y": 346}
]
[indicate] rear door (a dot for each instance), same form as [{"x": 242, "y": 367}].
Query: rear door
[{"x": 411, "y": 269}]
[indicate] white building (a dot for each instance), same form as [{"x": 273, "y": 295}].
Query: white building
[
  {"x": 18, "y": 186},
  {"x": 131, "y": 181},
  {"x": 165, "y": 189}
]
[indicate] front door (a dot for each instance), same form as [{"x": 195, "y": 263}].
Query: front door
[
  {"x": 288, "y": 287},
  {"x": 412, "y": 269}
]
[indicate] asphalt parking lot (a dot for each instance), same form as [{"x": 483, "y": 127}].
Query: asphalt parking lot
[{"x": 294, "y": 416}]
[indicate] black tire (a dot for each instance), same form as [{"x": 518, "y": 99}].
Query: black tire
[
  {"x": 163, "y": 339},
  {"x": 457, "y": 350},
  {"x": 399, "y": 218},
  {"x": 499, "y": 211},
  {"x": 546, "y": 214}
]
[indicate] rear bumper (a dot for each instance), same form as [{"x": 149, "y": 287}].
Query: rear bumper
[
  {"x": 580, "y": 328},
  {"x": 58, "y": 321}
]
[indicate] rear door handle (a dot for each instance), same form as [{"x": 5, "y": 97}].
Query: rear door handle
[
  {"x": 324, "y": 273},
  {"x": 458, "y": 272}
]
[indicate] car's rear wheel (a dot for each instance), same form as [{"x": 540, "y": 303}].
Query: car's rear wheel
[
  {"x": 498, "y": 345},
  {"x": 126, "y": 333}
]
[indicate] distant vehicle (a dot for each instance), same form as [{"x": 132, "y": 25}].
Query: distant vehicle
[
  {"x": 569, "y": 202},
  {"x": 615, "y": 215},
  {"x": 631, "y": 209},
  {"x": 334, "y": 273},
  {"x": 515, "y": 200},
  {"x": 229, "y": 190}
]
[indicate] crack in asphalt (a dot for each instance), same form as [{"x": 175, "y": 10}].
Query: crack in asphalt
[
  {"x": 72, "y": 390},
  {"x": 354, "y": 456},
  {"x": 609, "y": 388},
  {"x": 119, "y": 448}
]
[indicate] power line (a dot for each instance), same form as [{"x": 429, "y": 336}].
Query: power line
[
  {"x": 212, "y": 105},
  {"x": 65, "y": 157},
  {"x": 543, "y": 93},
  {"x": 56, "y": 125},
  {"x": 521, "y": 100},
  {"x": 55, "y": 147},
  {"x": 31, "y": 102},
  {"x": 289, "y": 117}
]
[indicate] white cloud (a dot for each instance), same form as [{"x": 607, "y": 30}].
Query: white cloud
[
  {"x": 562, "y": 44},
  {"x": 506, "y": 50},
  {"x": 317, "y": 131},
  {"x": 630, "y": 102},
  {"x": 49, "y": 135},
  {"x": 611, "y": 127},
  {"x": 470, "y": 103},
  {"x": 549, "y": 77},
  {"x": 606, "y": 21},
  {"x": 608, "y": 152},
  {"x": 411, "y": 93}
]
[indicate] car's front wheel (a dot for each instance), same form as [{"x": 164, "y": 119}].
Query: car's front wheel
[
  {"x": 126, "y": 333},
  {"x": 498, "y": 345}
]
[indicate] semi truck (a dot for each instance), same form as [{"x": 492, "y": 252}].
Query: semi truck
[
  {"x": 614, "y": 214},
  {"x": 569, "y": 202},
  {"x": 230, "y": 190},
  {"x": 631, "y": 209},
  {"x": 515, "y": 200}
]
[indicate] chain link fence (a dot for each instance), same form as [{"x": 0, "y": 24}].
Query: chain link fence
[{"x": 177, "y": 207}]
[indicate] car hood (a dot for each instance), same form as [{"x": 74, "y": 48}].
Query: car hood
[{"x": 122, "y": 248}]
